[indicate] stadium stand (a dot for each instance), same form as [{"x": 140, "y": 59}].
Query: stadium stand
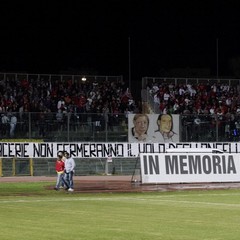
[
  {"x": 43, "y": 103},
  {"x": 66, "y": 108}
]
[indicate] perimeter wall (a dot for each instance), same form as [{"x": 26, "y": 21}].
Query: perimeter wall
[{"x": 38, "y": 159}]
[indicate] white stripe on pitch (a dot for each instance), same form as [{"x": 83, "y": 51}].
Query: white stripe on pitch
[{"x": 152, "y": 200}]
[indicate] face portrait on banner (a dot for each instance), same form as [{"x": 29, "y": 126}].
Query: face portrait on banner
[
  {"x": 138, "y": 131},
  {"x": 153, "y": 128},
  {"x": 166, "y": 128}
]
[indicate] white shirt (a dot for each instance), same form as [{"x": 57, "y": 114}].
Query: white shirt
[
  {"x": 69, "y": 164},
  {"x": 13, "y": 120},
  {"x": 5, "y": 119}
]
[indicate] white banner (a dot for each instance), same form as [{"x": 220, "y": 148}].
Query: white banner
[
  {"x": 189, "y": 167},
  {"x": 101, "y": 150},
  {"x": 153, "y": 128}
]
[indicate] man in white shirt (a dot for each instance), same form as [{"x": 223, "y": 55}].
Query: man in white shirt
[
  {"x": 69, "y": 170},
  {"x": 13, "y": 124},
  {"x": 5, "y": 124}
]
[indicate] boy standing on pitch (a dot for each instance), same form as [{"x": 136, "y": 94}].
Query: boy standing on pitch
[{"x": 60, "y": 166}]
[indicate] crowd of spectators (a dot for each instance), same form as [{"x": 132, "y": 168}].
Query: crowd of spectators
[
  {"x": 106, "y": 100},
  {"x": 63, "y": 97},
  {"x": 202, "y": 98},
  {"x": 216, "y": 104},
  {"x": 37, "y": 95}
]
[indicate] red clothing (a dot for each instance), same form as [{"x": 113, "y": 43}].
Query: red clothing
[
  {"x": 82, "y": 101},
  {"x": 59, "y": 166}
]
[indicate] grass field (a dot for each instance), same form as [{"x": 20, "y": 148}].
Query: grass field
[{"x": 30, "y": 212}]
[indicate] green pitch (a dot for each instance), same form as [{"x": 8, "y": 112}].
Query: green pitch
[{"x": 28, "y": 211}]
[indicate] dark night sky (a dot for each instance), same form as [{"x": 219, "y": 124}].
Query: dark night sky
[{"x": 93, "y": 36}]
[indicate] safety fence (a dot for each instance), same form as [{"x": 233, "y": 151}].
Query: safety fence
[
  {"x": 84, "y": 166},
  {"x": 115, "y": 128}
]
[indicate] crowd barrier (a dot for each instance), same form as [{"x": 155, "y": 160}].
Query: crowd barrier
[{"x": 87, "y": 127}]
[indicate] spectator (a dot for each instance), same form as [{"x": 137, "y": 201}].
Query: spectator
[
  {"x": 42, "y": 124},
  {"x": 59, "y": 118},
  {"x": 13, "y": 124},
  {"x": 4, "y": 125},
  {"x": 61, "y": 103}
]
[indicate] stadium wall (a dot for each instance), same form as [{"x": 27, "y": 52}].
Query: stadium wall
[
  {"x": 38, "y": 159},
  {"x": 84, "y": 166}
]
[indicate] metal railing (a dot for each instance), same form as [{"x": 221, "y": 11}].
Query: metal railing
[
  {"x": 114, "y": 128},
  {"x": 148, "y": 81},
  {"x": 6, "y": 77},
  {"x": 71, "y": 128}
]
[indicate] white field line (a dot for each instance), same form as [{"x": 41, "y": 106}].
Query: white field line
[{"x": 152, "y": 200}]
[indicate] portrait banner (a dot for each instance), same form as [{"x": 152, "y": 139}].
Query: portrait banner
[{"x": 159, "y": 128}]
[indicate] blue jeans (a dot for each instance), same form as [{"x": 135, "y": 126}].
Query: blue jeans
[
  {"x": 60, "y": 180},
  {"x": 69, "y": 179}
]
